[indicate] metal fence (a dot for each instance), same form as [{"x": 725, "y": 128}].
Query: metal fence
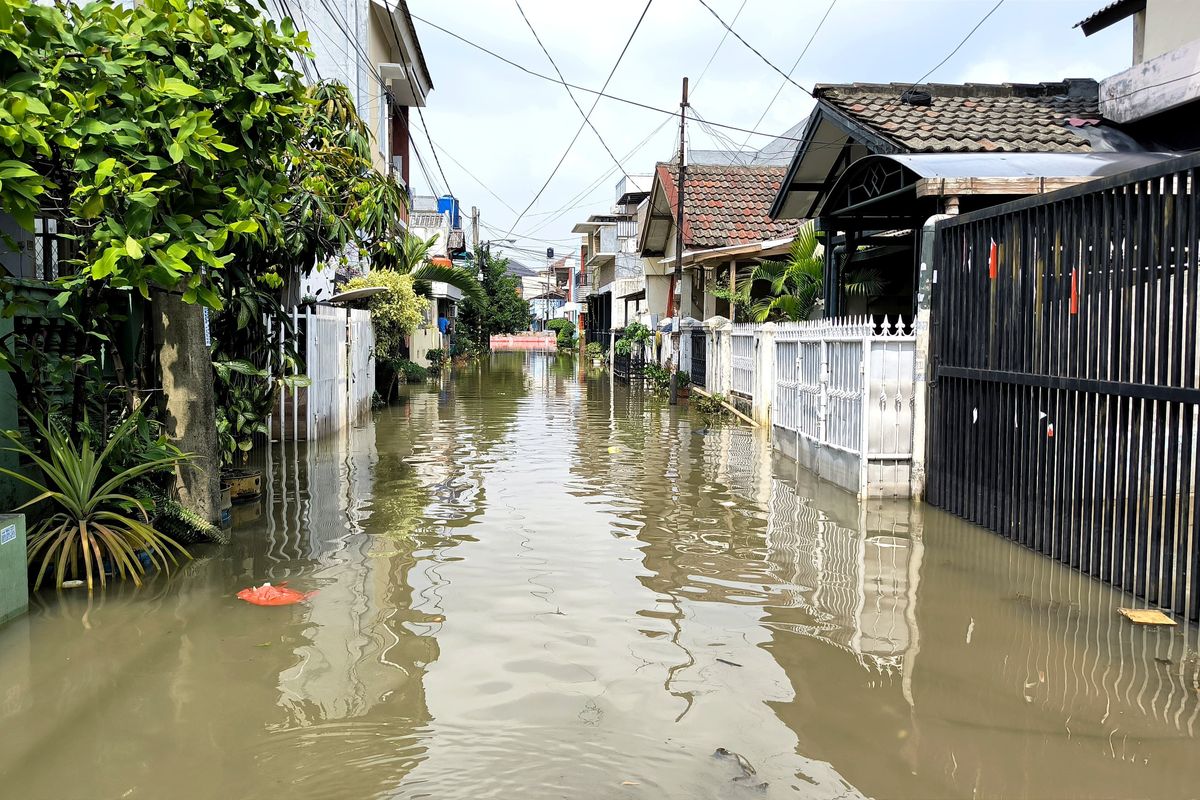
[
  {"x": 848, "y": 385},
  {"x": 699, "y": 355},
  {"x": 743, "y": 359},
  {"x": 1066, "y": 385},
  {"x": 338, "y": 348}
]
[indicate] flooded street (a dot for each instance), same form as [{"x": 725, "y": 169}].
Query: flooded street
[{"x": 534, "y": 583}]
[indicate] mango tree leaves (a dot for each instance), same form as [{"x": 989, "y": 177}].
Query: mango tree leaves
[{"x": 158, "y": 133}]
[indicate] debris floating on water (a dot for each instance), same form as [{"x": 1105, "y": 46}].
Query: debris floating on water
[
  {"x": 1146, "y": 616},
  {"x": 730, "y": 663},
  {"x": 268, "y": 595}
]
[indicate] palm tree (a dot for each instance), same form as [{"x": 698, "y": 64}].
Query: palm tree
[
  {"x": 411, "y": 257},
  {"x": 795, "y": 286}
]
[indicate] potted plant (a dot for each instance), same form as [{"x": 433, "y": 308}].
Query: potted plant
[{"x": 595, "y": 352}]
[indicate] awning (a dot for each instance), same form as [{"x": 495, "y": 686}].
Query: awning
[{"x": 881, "y": 191}]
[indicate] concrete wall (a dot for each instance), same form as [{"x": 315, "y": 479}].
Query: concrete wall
[{"x": 1168, "y": 25}]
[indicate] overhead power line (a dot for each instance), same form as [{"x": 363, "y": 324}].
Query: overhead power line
[
  {"x": 473, "y": 177},
  {"x": 795, "y": 64},
  {"x": 958, "y": 46},
  {"x": 433, "y": 149},
  {"x": 754, "y": 50},
  {"x": 587, "y": 116},
  {"x": 717, "y": 49},
  {"x": 646, "y": 106}
]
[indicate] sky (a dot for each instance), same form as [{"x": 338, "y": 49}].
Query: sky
[{"x": 499, "y": 132}]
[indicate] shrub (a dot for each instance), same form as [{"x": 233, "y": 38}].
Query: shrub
[
  {"x": 436, "y": 359},
  {"x": 594, "y": 350},
  {"x": 411, "y": 372},
  {"x": 394, "y": 313},
  {"x": 566, "y": 332},
  {"x": 660, "y": 378},
  {"x": 710, "y": 405}
]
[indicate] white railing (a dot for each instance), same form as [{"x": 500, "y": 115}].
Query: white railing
[
  {"x": 743, "y": 359},
  {"x": 836, "y": 394}
]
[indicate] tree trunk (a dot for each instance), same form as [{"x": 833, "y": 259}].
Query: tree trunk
[{"x": 189, "y": 409}]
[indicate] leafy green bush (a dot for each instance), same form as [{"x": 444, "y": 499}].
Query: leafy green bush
[
  {"x": 411, "y": 372},
  {"x": 566, "y": 333},
  {"x": 659, "y": 378},
  {"x": 594, "y": 350},
  {"x": 436, "y": 359},
  {"x": 710, "y": 405},
  {"x": 636, "y": 332}
]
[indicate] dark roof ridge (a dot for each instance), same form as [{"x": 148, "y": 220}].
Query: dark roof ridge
[{"x": 1072, "y": 87}]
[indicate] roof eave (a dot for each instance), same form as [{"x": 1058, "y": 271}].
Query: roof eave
[{"x": 1110, "y": 15}]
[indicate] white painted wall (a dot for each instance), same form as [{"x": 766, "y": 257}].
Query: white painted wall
[{"x": 1169, "y": 24}]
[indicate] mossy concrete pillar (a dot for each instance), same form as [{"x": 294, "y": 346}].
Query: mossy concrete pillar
[{"x": 189, "y": 407}]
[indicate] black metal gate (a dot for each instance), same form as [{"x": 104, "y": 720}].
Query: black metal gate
[
  {"x": 699, "y": 357},
  {"x": 1065, "y": 387}
]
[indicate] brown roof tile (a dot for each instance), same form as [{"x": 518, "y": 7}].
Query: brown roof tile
[
  {"x": 727, "y": 205},
  {"x": 1004, "y": 117}
]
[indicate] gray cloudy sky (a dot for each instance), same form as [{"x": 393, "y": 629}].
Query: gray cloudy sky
[{"x": 508, "y": 129}]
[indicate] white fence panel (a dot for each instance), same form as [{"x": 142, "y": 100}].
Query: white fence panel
[
  {"x": 361, "y": 356},
  {"x": 744, "y": 359},
  {"x": 325, "y": 335},
  {"x": 848, "y": 386}
]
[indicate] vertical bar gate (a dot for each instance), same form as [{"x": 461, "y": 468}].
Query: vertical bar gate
[{"x": 1065, "y": 391}]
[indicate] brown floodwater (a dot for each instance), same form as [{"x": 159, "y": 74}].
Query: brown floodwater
[{"x": 532, "y": 583}]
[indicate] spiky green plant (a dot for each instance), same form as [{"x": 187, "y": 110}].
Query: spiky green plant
[{"x": 97, "y": 522}]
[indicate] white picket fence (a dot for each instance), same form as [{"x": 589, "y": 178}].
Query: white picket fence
[
  {"x": 338, "y": 349},
  {"x": 837, "y": 395}
]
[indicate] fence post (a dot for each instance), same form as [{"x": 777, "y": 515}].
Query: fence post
[
  {"x": 926, "y": 278},
  {"x": 725, "y": 360},
  {"x": 764, "y": 371},
  {"x": 864, "y": 457},
  {"x": 712, "y": 358},
  {"x": 823, "y": 394}
]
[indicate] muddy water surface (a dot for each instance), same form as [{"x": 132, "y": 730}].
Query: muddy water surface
[{"x": 532, "y": 583}]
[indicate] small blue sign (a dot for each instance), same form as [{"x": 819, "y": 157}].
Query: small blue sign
[{"x": 8, "y": 534}]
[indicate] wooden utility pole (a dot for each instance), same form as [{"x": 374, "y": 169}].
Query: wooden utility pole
[{"x": 676, "y": 334}]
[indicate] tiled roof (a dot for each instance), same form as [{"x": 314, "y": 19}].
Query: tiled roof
[
  {"x": 725, "y": 205},
  {"x": 1045, "y": 117}
]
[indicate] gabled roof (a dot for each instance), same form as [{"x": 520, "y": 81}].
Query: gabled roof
[
  {"x": 723, "y": 206},
  {"x": 1111, "y": 14},
  {"x": 1007, "y": 117},
  {"x": 854, "y": 120}
]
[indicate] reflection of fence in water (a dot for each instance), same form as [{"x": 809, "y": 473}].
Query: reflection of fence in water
[
  {"x": 1069, "y": 651},
  {"x": 854, "y": 586}
]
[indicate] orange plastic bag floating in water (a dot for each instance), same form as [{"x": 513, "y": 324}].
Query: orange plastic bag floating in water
[{"x": 268, "y": 595}]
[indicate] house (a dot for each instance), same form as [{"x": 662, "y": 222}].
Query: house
[
  {"x": 547, "y": 290},
  {"x": 384, "y": 68},
  {"x": 726, "y": 230},
  {"x": 439, "y": 217},
  {"x": 876, "y": 161},
  {"x": 612, "y": 275},
  {"x": 1156, "y": 98}
]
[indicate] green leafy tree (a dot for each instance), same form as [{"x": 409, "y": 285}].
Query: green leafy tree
[{"x": 502, "y": 310}]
